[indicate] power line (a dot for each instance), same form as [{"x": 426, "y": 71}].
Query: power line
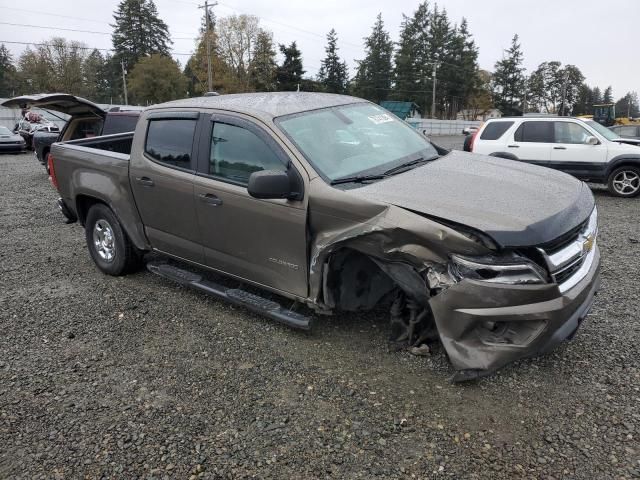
[
  {"x": 78, "y": 47},
  {"x": 75, "y": 30}
]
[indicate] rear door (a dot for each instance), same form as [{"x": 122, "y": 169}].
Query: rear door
[
  {"x": 263, "y": 241},
  {"x": 532, "y": 142},
  {"x": 570, "y": 152},
  {"x": 162, "y": 170}
]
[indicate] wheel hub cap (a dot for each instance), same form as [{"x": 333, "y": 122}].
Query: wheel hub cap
[
  {"x": 627, "y": 182},
  {"x": 103, "y": 240}
]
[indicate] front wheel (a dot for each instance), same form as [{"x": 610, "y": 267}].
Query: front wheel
[
  {"x": 624, "y": 181},
  {"x": 109, "y": 246}
]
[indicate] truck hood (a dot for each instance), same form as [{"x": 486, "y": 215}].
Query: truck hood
[
  {"x": 627, "y": 141},
  {"x": 59, "y": 102},
  {"x": 516, "y": 204}
]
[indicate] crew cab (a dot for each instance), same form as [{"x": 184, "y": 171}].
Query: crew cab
[
  {"x": 84, "y": 119},
  {"x": 331, "y": 202},
  {"x": 582, "y": 148}
]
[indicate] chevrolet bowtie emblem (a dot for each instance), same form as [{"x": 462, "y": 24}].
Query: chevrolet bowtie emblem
[{"x": 588, "y": 244}]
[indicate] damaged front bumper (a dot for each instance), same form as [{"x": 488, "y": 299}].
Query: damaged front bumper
[{"x": 483, "y": 326}]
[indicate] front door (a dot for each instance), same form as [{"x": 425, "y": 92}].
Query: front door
[
  {"x": 570, "y": 152},
  {"x": 263, "y": 241},
  {"x": 161, "y": 178}
]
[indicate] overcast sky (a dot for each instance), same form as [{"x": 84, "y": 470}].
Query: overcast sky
[{"x": 598, "y": 37}]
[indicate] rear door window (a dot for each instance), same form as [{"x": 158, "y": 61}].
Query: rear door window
[
  {"x": 534, "y": 132},
  {"x": 170, "y": 141},
  {"x": 495, "y": 130}
]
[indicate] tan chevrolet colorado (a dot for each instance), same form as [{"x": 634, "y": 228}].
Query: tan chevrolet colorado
[{"x": 334, "y": 203}]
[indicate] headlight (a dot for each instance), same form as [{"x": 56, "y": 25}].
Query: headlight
[{"x": 509, "y": 269}]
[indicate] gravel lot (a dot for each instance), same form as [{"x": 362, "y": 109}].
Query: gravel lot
[{"x": 130, "y": 377}]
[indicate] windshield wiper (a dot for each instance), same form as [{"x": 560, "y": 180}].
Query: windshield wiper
[
  {"x": 407, "y": 165},
  {"x": 356, "y": 179}
]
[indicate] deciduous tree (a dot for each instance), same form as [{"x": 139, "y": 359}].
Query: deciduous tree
[{"x": 156, "y": 79}]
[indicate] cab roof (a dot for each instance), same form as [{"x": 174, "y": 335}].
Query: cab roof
[{"x": 266, "y": 105}]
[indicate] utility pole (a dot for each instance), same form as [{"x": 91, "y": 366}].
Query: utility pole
[
  {"x": 564, "y": 92},
  {"x": 209, "y": 66},
  {"x": 524, "y": 100},
  {"x": 124, "y": 82},
  {"x": 433, "y": 92}
]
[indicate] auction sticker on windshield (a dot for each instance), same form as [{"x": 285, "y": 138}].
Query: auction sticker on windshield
[{"x": 382, "y": 118}]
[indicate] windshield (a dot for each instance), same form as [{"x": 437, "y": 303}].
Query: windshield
[
  {"x": 604, "y": 131},
  {"x": 5, "y": 131},
  {"x": 357, "y": 139}
]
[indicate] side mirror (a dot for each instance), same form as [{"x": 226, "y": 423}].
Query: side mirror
[
  {"x": 270, "y": 184},
  {"x": 592, "y": 141}
]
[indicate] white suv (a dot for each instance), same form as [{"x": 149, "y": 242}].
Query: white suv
[{"x": 582, "y": 148}]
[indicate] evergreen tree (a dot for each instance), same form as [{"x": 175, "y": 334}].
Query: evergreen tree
[
  {"x": 333, "y": 71},
  {"x": 607, "y": 97},
  {"x": 96, "y": 83},
  {"x": 407, "y": 76},
  {"x": 509, "y": 80},
  {"x": 461, "y": 72},
  {"x": 8, "y": 73},
  {"x": 138, "y": 31},
  {"x": 289, "y": 74},
  {"x": 375, "y": 72},
  {"x": 597, "y": 96},
  {"x": 263, "y": 66},
  {"x": 628, "y": 106}
]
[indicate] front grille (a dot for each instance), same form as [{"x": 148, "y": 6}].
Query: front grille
[
  {"x": 564, "y": 240},
  {"x": 566, "y": 256},
  {"x": 561, "y": 275}
]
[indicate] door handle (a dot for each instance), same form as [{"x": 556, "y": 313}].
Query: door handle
[
  {"x": 145, "y": 181},
  {"x": 210, "y": 199},
  {"x": 559, "y": 148},
  {"x": 513, "y": 146}
]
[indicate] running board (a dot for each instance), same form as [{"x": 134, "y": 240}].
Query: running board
[{"x": 255, "y": 303}]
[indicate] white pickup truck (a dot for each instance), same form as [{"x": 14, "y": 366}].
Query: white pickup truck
[{"x": 582, "y": 148}]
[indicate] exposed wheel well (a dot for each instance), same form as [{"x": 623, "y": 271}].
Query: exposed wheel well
[
  {"x": 83, "y": 204},
  {"x": 624, "y": 163}
]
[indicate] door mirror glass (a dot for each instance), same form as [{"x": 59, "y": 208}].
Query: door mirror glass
[
  {"x": 591, "y": 140},
  {"x": 269, "y": 184}
]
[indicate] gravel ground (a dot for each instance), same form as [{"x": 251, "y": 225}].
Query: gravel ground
[{"x": 135, "y": 377}]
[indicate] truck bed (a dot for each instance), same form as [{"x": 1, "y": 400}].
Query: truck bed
[{"x": 98, "y": 168}]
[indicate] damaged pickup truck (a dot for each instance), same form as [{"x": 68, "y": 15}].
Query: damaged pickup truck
[{"x": 332, "y": 202}]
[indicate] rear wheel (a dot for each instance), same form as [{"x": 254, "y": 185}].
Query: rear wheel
[
  {"x": 109, "y": 246},
  {"x": 625, "y": 181}
]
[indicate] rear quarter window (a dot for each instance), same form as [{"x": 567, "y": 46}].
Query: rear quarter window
[{"x": 495, "y": 130}]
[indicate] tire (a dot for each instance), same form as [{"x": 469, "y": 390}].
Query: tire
[
  {"x": 624, "y": 181},
  {"x": 108, "y": 244}
]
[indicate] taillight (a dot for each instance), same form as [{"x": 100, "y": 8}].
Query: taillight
[
  {"x": 52, "y": 172},
  {"x": 473, "y": 139}
]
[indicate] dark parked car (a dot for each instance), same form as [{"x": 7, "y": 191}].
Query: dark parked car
[
  {"x": 626, "y": 131},
  {"x": 11, "y": 142},
  {"x": 629, "y": 134},
  {"x": 86, "y": 120}
]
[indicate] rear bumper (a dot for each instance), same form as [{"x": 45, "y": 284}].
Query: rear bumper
[
  {"x": 485, "y": 326},
  {"x": 21, "y": 147},
  {"x": 66, "y": 211}
]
